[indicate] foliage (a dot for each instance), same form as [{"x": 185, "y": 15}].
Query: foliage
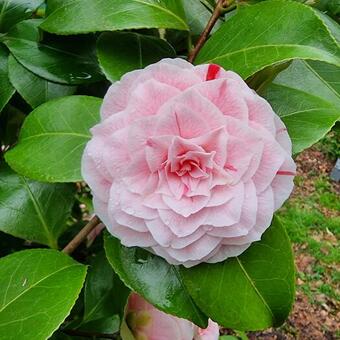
[{"x": 57, "y": 59}]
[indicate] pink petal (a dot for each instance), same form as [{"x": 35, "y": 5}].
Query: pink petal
[
  {"x": 182, "y": 242},
  {"x": 186, "y": 206},
  {"x": 273, "y": 157},
  {"x": 215, "y": 141},
  {"x": 282, "y": 136},
  {"x": 243, "y": 156},
  {"x": 283, "y": 184},
  {"x": 261, "y": 112},
  {"x": 228, "y": 213},
  {"x": 195, "y": 251},
  {"x": 117, "y": 96},
  {"x": 92, "y": 174},
  {"x": 131, "y": 238},
  {"x": 156, "y": 151},
  {"x": 227, "y": 251},
  {"x": 182, "y": 226},
  {"x": 131, "y": 204},
  {"x": 101, "y": 209},
  {"x": 222, "y": 194},
  {"x": 160, "y": 232},
  {"x": 148, "y": 97},
  {"x": 247, "y": 221},
  {"x": 226, "y": 95}
]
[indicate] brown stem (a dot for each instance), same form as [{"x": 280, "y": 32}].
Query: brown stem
[
  {"x": 89, "y": 334},
  {"x": 221, "y": 4},
  {"x": 81, "y": 236}
]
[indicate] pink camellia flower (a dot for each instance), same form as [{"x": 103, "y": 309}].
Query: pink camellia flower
[
  {"x": 148, "y": 323},
  {"x": 188, "y": 162}
]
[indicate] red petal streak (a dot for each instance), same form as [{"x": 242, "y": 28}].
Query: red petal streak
[
  {"x": 286, "y": 173},
  {"x": 213, "y": 69},
  {"x": 230, "y": 167}
]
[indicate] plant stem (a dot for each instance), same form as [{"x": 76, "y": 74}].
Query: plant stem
[
  {"x": 220, "y": 6},
  {"x": 89, "y": 334},
  {"x": 81, "y": 236}
]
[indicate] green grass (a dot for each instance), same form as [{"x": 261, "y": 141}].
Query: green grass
[{"x": 315, "y": 234}]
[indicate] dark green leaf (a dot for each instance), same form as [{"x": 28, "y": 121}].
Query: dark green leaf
[
  {"x": 250, "y": 292},
  {"x": 107, "y": 325},
  {"x": 121, "y": 52},
  {"x": 11, "y": 120},
  {"x": 153, "y": 278},
  {"x": 37, "y": 291},
  {"x": 31, "y": 210},
  {"x": 307, "y": 97},
  {"x": 111, "y": 15},
  {"x": 13, "y": 11},
  {"x": 267, "y": 33},
  {"x": 33, "y": 89},
  {"x": 53, "y": 137},
  {"x": 71, "y": 61},
  {"x": 105, "y": 295},
  {"x": 6, "y": 89}
]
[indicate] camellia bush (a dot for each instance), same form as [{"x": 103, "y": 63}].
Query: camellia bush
[{"x": 145, "y": 147}]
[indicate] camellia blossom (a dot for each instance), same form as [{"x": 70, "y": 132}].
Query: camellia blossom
[
  {"x": 188, "y": 162},
  {"x": 148, "y": 323}
]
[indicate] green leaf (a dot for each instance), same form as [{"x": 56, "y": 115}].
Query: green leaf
[
  {"x": 13, "y": 11},
  {"x": 198, "y": 16},
  {"x": 267, "y": 33},
  {"x": 154, "y": 279},
  {"x": 6, "y": 90},
  {"x": 69, "y": 61},
  {"x": 121, "y": 52},
  {"x": 250, "y": 292},
  {"x": 37, "y": 291},
  {"x": 105, "y": 295},
  {"x": 53, "y": 137},
  {"x": 107, "y": 325},
  {"x": 31, "y": 210},
  {"x": 111, "y": 15},
  {"x": 33, "y": 89},
  {"x": 307, "y": 98},
  {"x": 53, "y": 5}
]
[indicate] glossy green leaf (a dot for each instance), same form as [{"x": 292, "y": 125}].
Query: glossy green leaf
[
  {"x": 37, "y": 291},
  {"x": 121, "y": 52},
  {"x": 307, "y": 98},
  {"x": 197, "y": 16},
  {"x": 267, "y": 33},
  {"x": 33, "y": 89},
  {"x": 32, "y": 210},
  {"x": 71, "y": 61},
  {"x": 111, "y": 15},
  {"x": 154, "y": 279},
  {"x": 6, "y": 88},
  {"x": 53, "y": 137},
  {"x": 13, "y": 11},
  {"x": 105, "y": 295},
  {"x": 250, "y": 292},
  {"x": 53, "y": 5}
]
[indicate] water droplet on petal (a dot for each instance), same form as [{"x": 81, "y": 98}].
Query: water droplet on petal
[{"x": 130, "y": 211}]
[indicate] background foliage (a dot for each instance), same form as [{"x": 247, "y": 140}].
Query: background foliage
[{"x": 57, "y": 59}]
